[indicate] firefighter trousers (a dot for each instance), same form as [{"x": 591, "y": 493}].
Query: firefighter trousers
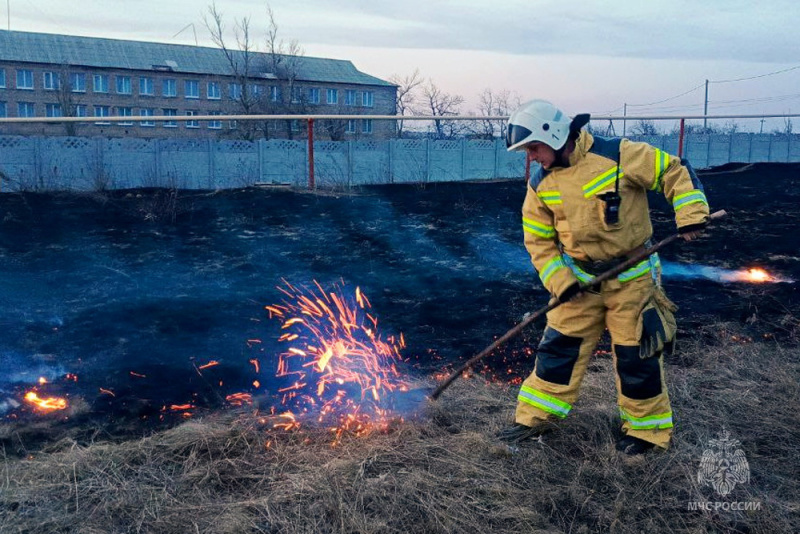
[{"x": 572, "y": 332}]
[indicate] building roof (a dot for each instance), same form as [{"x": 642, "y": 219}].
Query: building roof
[{"x": 44, "y": 48}]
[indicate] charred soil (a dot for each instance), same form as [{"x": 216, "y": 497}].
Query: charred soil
[{"x": 131, "y": 292}]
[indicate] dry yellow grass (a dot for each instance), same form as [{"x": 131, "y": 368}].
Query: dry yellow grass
[{"x": 441, "y": 472}]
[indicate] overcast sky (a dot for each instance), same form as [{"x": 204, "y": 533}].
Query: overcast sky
[{"x": 590, "y": 56}]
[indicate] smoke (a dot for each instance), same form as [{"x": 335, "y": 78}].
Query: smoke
[{"x": 504, "y": 257}]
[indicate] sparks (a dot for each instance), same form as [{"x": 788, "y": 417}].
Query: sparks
[{"x": 338, "y": 366}]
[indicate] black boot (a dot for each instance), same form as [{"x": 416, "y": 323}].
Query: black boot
[
  {"x": 632, "y": 446},
  {"x": 518, "y": 433}
]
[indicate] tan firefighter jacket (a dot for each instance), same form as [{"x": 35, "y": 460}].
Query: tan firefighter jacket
[{"x": 563, "y": 218}]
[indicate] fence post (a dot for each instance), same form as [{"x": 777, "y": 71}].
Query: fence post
[
  {"x": 463, "y": 159},
  {"x": 680, "y": 138},
  {"x": 100, "y": 150},
  {"x": 730, "y": 147},
  {"x": 260, "y": 148},
  {"x": 750, "y": 149},
  {"x": 37, "y": 163},
  {"x": 311, "y": 154},
  {"x": 427, "y": 160},
  {"x": 349, "y": 162},
  {"x": 210, "y": 150},
  {"x": 769, "y": 148},
  {"x": 157, "y": 160},
  {"x": 496, "y": 171},
  {"x": 391, "y": 161}
]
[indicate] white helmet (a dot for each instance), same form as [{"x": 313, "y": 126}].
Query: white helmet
[{"x": 537, "y": 120}]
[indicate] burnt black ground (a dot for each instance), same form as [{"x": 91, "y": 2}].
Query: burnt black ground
[{"x": 157, "y": 282}]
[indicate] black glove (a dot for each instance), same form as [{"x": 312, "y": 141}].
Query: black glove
[
  {"x": 570, "y": 292},
  {"x": 692, "y": 228},
  {"x": 653, "y": 334}
]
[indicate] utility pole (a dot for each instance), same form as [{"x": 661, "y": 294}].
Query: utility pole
[
  {"x": 705, "y": 109},
  {"x": 624, "y": 121},
  {"x": 762, "y": 127},
  {"x": 8, "y": 13}
]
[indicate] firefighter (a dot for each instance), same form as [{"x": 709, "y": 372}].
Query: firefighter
[{"x": 585, "y": 212}]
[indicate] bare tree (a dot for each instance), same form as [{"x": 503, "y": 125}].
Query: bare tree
[
  {"x": 406, "y": 95},
  {"x": 730, "y": 127},
  {"x": 441, "y": 104},
  {"x": 788, "y": 127},
  {"x": 284, "y": 61},
  {"x": 241, "y": 61},
  {"x": 495, "y": 104},
  {"x": 644, "y": 127},
  {"x": 66, "y": 98}
]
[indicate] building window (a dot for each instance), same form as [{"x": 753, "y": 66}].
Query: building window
[
  {"x": 170, "y": 113},
  {"x": 349, "y": 98},
  {"x": 332, "y": 96},
  {"x": 146, "y": 86},
  {"x": 212, "y": 90},
  {"x": 3, "y": 109},
  {"x": 50, "y": 81},
  {"x": 367, "y": 99},
  {"x": 102, "y": 111},
  {"x": 235, "y": 91},
  {"x": 295, "y": 125},
  {"x": 125, "y": 112},
  {"x": 80, "y": 110},
  {"x": 366, "y": 126},
  {"x": 123, "y": 85},
  {"x": 26, "y": 109},
  {"x": 192, "y": 124},
  {"x": 351, "y": 126},
  {"x": 2, "y": 78},
  {"x": 53, "y": 110},
  {"x": 313, "y": 95},
  {"x": 146, "y": 112},
  {"x": 297, "y": 95},
  {"x": 233, "y": 125},
  {"x": 215, "y": 125},
  {"x": 24, "y": 79},
  {"x": 191, "y": 89},
  {"x": 256, "y": 90},
  {"x": 100, "y": 83},
  {"x": 170, "y": 88},
  {"x": 275, "y": 93},
  {"x": 77, "y": 82}
]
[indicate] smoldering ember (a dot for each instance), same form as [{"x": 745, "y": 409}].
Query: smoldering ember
[{"x": 131, "y": 314}]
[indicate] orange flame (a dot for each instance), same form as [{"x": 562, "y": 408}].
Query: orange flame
[
  {"x": 758, "y": 275},
  {"x": 47, "y": 404}
]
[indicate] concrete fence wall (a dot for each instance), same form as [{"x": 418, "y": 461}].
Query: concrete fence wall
[{"x": 86, "y": 164}]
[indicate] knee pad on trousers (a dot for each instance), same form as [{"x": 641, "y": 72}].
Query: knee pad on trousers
[
  {"x": 556, "y": 356},
  {"x": 639, "y": 379}
]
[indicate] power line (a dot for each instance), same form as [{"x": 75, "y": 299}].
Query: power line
[
  {"x": 758, "y": 76},
  {"x": 776, "y": 98},
  {"x": 668, "y": 99},
  {"x": 678, "y": 108}
]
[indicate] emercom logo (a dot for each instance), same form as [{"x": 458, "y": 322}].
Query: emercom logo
[{"x": 722, "y": 467}]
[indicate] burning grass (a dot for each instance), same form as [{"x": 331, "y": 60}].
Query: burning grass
[{"x": 443, "y": 472}]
